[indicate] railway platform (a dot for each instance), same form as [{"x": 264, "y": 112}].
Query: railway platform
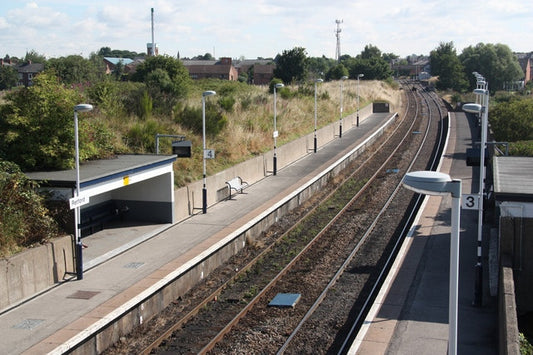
[
  {"x": 118, "y": 275},
  {"x": 410, "y": 316}
]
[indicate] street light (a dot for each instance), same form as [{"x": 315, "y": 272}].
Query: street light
[
  {"x": 204, "y": 189},
  {"x": 483, "y": 109},
  {"x": 359, "y": 76},
  {"x": 275, "y": 135},
  {"x": 77, "y": 216},
  {"x": 315, "y": 140},
  {"x": 436, "y": 183},
  {"x": 340, "y": 119}
]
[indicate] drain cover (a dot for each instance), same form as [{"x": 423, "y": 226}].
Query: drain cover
[
  {"x": 285, "y": 300},
  {"x": 83, "y": 295},
  {"x": 133, "y": 265},
  {"x": 28, "y": 324}
]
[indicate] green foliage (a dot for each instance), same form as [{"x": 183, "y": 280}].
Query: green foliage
[
  {"x": 24, "y": 220},
  {"x": 34, "y": 57},
  {"x": 512, "y": 120},
  {"x": 36, "y": 131},
  {"x": 8, "y": 77},
  {"x": 337, "y": 72},
  {"x": 496, "y": 62},
  {"x": 370, "y": 62},
  {"x": 141, "y": 137},
  {"x": 145, "y": 106},
  {"x": 96, "y": 140},
  {"x": 227, "y": 103},
  {"x": 167, "y": 81},
  {"x": 446, "y": 65},
  {"x": 75, "y": 69},
  {"x": 191, "y": 117},
  {"x": 521, "y": 148},
  {"x": 117, "y": 53},
  {"x": 291, "y": 65},
  {"x": 525, "y": 346}
]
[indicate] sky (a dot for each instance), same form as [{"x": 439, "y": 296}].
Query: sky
[{"x": 260, "y": 28}]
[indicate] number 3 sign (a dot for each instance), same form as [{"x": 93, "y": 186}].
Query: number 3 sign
[{"x": 470, "y": 202}]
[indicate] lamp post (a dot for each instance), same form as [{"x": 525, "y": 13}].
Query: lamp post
[
  {"x": 204, "y": 189},
  {"x": 436, "y": 183},
  {"x": 483, "y": 109},
  {"x": 77, "y": 215},
  {"x": 275, "y": 134},
  {"x": 340, "y": 119},
  {"x": 359, "y": 76},
  {"x": 315, "y": 140}
]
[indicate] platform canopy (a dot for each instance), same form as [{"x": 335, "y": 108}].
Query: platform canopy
[{"x": 142, "y": 184}]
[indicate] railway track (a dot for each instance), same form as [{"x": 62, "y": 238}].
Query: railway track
[{"x": 333, "y": 252}]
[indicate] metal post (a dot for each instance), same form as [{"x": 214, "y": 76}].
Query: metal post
[
  {"x": 204, "y": 189},
  {"x": 275, "y": 134},
  {"x": 478, "y": 286},
  {"x": 454, "y": 267},
  {"x": 79, "y": 246},
  {"x": 314, "y": 137}
]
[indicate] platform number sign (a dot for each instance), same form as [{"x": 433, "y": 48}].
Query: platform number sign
[
  {"x": 209, "y": 154},
  {"x": 470, "y": 202}
]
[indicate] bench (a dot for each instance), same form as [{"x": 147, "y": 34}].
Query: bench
[
  {"x": 236, "y": 184},
  {"x": 94, "y": 218}
]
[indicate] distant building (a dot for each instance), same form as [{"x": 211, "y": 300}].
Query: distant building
[
  {"x": 149, "y": 49},
  {"x": 260, "y": 71},
  {"x": 111, "y": 63},
  {"x": 202, "y": 69},
  {"x": 27, "y": 72}
]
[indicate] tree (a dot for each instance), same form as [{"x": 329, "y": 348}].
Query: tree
[
  {"x": 75, "y": 69},
  {"x": 167, "y": 81},
  {"x": 34, "y": 57},
  {"x": 317, "y": 66},
  {"x": 36, "y": 131},
  {"x": 8, "y": 77},
  {"x": 337, "y": 72},
  {"x": 291, "y": 65},
  {"x": 496, "y": 62},
  {"x": 511, "y": 120},
  {"x": 446, "y": 65},
  {"x": 370, "y": 63}
]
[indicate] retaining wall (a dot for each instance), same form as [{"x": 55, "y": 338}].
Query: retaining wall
[{"x": 508, "y": 321}]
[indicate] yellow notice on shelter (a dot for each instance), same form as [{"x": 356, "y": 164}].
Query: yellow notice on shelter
[{"x": 126, "y": 180}]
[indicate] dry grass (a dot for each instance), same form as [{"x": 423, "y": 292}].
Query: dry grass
[{"x": 249, "y": 130}]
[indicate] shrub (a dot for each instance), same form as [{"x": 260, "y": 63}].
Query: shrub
[
  {"x": 24, "y": 220},
  {"x": 191, "y": 117},
  {"x": 227, "y": 103}
]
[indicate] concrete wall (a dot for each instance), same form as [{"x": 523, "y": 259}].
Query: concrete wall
[
  {"x": 34, "y": 270},
  {"x": 188, "y": 199},
  {"x": 508, "y": 321},
  {"x": 517, "y": 245}
]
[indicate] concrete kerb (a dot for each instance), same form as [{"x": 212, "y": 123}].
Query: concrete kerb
[{"x": 235, "y": 240}]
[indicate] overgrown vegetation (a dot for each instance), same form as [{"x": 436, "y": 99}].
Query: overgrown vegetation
[{"x": 24, "y": 220}]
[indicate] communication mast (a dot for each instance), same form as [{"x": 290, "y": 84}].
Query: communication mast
[
  {"x": 338, "y": 35},
  {"x": 151, "y": 47}
]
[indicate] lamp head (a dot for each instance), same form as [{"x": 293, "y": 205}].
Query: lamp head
[
  {"x": 427, "y": 182},
  {"x": 472, "y": 108},
  {"x": 208, "y": 93},
  {"x": 344, "y": 77},
  {"x": 83, "y": 108},
  {"x": 360, "y": 75},
  {"x": 319, "y": 80},
  {"x": 279, "y": 85}
]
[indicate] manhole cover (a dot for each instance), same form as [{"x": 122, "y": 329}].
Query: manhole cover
[
  {"x": 285, "y": 300},
  {"x": 83, "y": 295}
]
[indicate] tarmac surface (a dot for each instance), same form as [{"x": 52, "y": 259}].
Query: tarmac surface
[
  {"x": 411, "y": 314},
  {"x": 410, "y": 318}
]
